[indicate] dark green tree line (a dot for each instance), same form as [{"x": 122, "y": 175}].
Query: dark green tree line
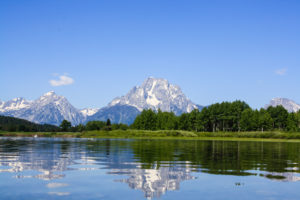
[
  {"x": 226, "y": 116},
  {"x": 13, "y": 124}
]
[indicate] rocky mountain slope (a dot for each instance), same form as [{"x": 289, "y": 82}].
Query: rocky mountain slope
[
  {"x": 48, "y": 109},
  {"x": 124, "y": 114},
  {"x": 288, "y": 104},
  {"x": 14, "y": 104},
  {"x": 156, "y": 93}
]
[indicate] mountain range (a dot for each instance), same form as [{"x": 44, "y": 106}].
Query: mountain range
[
  {"x": 153, "y": 93},
  {"x": 50, "y": 108}
]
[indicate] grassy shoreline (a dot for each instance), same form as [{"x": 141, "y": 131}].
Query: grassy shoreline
[{"x": 171, "y": 134}]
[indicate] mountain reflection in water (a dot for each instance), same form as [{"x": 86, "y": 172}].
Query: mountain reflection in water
[
  {"x": 154, "y": 182},
  {"x": 152, "y": 166}
]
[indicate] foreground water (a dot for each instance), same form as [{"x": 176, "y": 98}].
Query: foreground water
[{"x": 41, "y": 168}]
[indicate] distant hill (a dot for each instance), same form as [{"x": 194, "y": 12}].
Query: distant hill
[{"x": 16, "y": 124}]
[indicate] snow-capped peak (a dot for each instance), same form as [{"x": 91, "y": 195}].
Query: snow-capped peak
[
  {"x": 14, "y": 104},
  {"x": 156, "y": 93},
  {"x": 50, "y": 97},
  {"x": 49, "y": 108},
  {"x": 288, "y": 104},
  {"x": 50, "y": 93},
  {"x": 18, "y": 99},
  {"x": 89, "y": 111}
]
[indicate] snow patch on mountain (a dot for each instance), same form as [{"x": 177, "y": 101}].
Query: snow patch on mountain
[
  {"x": 156, "y": 93},
  {"x": 288, "y": 104},
  {"x": 14, "y": 104},
  {"x": 89, "y": 111},
  {"x": 49, "y": 108}
]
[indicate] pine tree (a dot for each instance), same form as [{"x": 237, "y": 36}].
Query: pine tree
[
  {"x": 65, "y": 125},
  {"x": 108, "y": 123}
]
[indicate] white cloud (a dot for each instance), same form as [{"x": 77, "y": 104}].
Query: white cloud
[
  {"x": 281, "y": 72},
  {"x": 63, "y": 80}
]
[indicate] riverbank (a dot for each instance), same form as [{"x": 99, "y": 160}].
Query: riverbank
[{"x": 164, "y": 134}]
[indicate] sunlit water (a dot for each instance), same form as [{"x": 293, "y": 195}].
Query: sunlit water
[{"x": 41, "y": 168}]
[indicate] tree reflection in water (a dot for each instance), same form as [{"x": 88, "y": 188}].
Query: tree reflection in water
[{"x": 152, "y": 166}]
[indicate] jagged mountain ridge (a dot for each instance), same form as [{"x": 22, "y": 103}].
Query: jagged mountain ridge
[
  {"x": 14, "y": 104},
  {"x": 53, "y": 109},
  {"x": 156, "y": 93},
  {"x": 48, "y": 109},
  {"x": 288, "y": 104}
]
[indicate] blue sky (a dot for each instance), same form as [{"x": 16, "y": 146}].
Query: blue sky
[{"x": 214, "y": 50}]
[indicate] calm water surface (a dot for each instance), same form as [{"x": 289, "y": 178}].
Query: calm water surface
[{"x": 41, "y": 168}]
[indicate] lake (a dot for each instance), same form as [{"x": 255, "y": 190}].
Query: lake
[{"x": 56, "y": 168}]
